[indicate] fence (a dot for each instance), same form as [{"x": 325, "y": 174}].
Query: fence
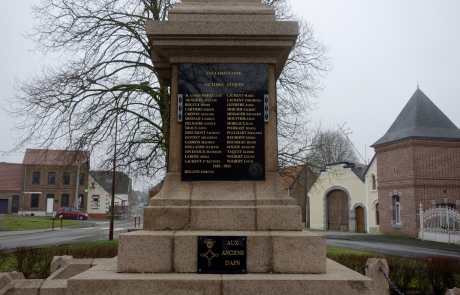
[{"x": 439, "y": 224}]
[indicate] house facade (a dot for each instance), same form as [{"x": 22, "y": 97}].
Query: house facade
[
  {"x": 53, "y": 179},
  {"x": 100, "y": 194},
  {"x": 419, "y": 163},
  {"x": 10, "y": 187},
  {"x": 344, "y": 198}
]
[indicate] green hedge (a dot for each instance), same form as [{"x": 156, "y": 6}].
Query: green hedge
[{"x": 420, "y": 275}]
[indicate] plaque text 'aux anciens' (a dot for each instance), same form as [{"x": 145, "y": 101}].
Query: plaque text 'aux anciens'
[
  {"x": 223, "y": 108},
  {"x": 221, "y": 255}
]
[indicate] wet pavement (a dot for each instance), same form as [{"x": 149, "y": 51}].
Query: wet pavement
[{"x": 388, "y": 245}]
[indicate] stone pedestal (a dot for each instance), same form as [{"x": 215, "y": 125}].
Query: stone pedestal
[
  {"x": 293, "y": 252},
  {"x": 281, "y": 258}
]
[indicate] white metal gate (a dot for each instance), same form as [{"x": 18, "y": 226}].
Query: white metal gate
[{"x": 440, "y": 224}]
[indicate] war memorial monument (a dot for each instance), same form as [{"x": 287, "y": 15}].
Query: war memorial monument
[{"x": 222, "y": 224}]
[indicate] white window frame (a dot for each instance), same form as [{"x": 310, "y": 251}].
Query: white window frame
[
  {"x": 95, "y": 200},
  {"x": 397, "y": 210}
]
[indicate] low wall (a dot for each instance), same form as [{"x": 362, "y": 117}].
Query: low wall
[{"x": 439, "y": 237}]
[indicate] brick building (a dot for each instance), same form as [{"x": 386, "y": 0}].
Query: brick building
[
  {"x": 10, "y": 187},
  {"x": 51, "y": 178},
  {"x": 418, "y": 161}
]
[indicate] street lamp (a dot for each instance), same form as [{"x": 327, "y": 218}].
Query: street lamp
[{"x": 112, "y": 203}]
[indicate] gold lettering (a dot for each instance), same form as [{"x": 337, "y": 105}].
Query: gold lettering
[
  {"x": 214, "y": 84},
  {"x": 232, "y": 262},
  {"x": 232, "y": 243}
]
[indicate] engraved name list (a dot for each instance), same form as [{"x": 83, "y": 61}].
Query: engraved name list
[{"x": 222, "y": 109}]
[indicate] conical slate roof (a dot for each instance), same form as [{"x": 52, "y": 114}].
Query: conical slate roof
[{"x": 420, "y": 118}]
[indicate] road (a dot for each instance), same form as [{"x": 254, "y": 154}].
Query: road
[
  {"x": 389, "y": 245},
  {"x": 98, "y": 230},
  {"x": 88, "y": 230}
]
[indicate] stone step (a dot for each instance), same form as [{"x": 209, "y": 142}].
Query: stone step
[{"x": 104, "y": 280}]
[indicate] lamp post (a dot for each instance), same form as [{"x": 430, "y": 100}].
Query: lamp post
[
  {"x": 112, "y": 202},
  {"x": 112, "y": 199}
]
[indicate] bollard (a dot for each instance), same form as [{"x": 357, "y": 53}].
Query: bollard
[
  {"x": 139, "y": 220},
  {"x": 53, "y": 223},
  {"x": 135, "y": 221},
  {"x": 60, "y": 217},
  {"x": 373, "y": 272}
]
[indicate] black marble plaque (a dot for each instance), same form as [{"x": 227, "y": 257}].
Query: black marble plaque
[
  {"x": 223, "y": 121},
  {"x": 221, "y": 255}
]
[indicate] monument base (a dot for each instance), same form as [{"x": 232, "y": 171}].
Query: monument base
[
  {"x": 103, "y": 279},
  {"x": 293, "y": 252}
]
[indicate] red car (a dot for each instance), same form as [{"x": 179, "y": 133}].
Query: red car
[{"x": 71, "y": 213}]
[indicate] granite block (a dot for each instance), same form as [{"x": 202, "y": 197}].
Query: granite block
[
  {"x": 145, "y": 251},
  {"x": 59, "y": 262},
  {"x": 8, "y": 277},
  {"x": 271, "y": 191},
  {"x": 222, "y": 218},
  {"x": 14, "y": 275},
  {"x": 339, "y": 280},
  {"x": 24, "y": 287},
  {"x": 185, "y": 252},
  {"x": 223, "y": 191},
  {"x": 279, "y": 218},
  {"x": 373, "y": 266},
  {"x": 259, "y": 252},
  {"x": 74, "y": 267},
  {"x": 166, "y": 218},
  {"x": 298, "y": 252},
  {"x": 173, "y": 188},
  {"x": 98, "y": 261},
  {"x": 54, "y": 287},
  {"x": 109, "y": 264},
  {"x": 109, "y": 283},
  {"x": 271, "y": 135},
  {"x": 4, "y": 279}
]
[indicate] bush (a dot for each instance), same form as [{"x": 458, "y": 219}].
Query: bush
[
  {"x": 35, "y": 262},
  {"x": 442, "y": 272},
  {"x": 416, "y": 274},
  {"x": 402, "y": 272}
]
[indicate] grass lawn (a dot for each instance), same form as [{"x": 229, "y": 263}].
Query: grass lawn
[
  {"x": 331, "y": 250},
  {"x": 27, "y": 222}
]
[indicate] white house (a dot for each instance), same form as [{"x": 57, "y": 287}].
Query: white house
[
  {"x": 344, "y": 197},
  {"x": 100, "y": 194}
]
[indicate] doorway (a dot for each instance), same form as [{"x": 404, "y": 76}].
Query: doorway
[
  {"x": 337, "y": 211},
  {"x": 15, "y": 204},
  {"x": 360, "y": 224},
  {"x": 49, "y": 203}
]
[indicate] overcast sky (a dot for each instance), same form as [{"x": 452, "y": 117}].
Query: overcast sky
[{"x": 380, "y": 50}]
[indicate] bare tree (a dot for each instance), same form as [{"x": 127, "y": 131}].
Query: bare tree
[
  {"x": 330, "y": 146},
  {"x": 103, "y": 92}
]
